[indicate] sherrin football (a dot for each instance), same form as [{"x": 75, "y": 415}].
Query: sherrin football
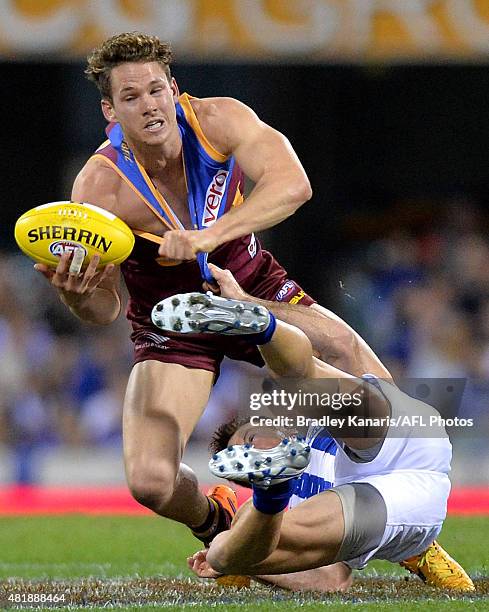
[{"x": 46, "y": 232}]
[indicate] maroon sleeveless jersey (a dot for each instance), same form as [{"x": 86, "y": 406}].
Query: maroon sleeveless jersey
[{"x": 148, "y": 281}]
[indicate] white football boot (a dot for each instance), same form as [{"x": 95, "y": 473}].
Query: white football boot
[
  {"x": 262, "y": 467},
  {"x": 207, "y": 313}
]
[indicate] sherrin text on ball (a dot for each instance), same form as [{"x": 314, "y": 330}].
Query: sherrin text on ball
[{"x": 45, "y": 232}]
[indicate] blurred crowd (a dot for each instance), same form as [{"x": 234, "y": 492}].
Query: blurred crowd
[
  {"x": 419, "y": 295},
  {"x": 61, "y": 382}
]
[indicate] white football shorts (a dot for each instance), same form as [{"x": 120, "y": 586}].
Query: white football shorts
[{"x": 415, "y": 508}]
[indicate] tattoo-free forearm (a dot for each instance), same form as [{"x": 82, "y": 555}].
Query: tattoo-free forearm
[
  {"x": 100, "y": 307},
  {"x": 265, "y": 207},
  {"x": 234, "y": 550},
  {"x": 332, "y": 339},
  {"x": 321, "y": 331}
]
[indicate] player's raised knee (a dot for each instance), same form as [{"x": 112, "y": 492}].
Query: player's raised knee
[{"x": 151, "y": 491}]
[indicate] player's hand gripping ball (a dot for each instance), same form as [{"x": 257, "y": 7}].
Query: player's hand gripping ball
[{"x": 46, "y": 232}]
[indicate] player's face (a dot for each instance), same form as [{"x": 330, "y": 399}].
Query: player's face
[
  {"x": 143, "y": 102},
  {"x": 259, "y": 437}
]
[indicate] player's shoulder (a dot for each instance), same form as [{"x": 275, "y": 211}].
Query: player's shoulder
[
  {"x": 219, "y": 109},
  {"x": 97, "y": 182},
  {"x": 222, "y": 120},
  {"x": 96, "y": 165},
  {"x": 216, "y": 105}
]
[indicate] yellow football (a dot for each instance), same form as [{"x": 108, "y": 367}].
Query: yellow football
[{"x": 46, "y": 232}]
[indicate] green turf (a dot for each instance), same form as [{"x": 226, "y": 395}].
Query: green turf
[
  {"x": 465, "y": 538},
  {"x": 141, "y": 549},
  {"x": 76, "y": 546}
]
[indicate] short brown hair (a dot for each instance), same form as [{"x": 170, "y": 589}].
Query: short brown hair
[
  {"x": 222, "y": 435},
  {"x": 122, "y": 48}
]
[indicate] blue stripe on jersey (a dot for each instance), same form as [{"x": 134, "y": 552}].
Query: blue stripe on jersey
[
  {"x": 324, "y": 443},
  {"x": 322, "y": 460},
  {"x": 207, "y": 181},
  {"x": 310, "y": 484},
  {"x": 126, "y": 162}
]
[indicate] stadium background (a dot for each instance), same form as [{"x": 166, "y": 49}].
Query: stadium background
[{"x": 387, "y": 109}]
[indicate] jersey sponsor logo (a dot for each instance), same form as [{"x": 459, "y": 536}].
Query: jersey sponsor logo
[
  {"x": 60, "y": 247},
  {"x": 297, "y": 298},
  {"x": 69, "y": 234},
  {"x": 252, "y": 246},
  {"x": 285, "y": 290},
  {"x": 213, "y": 197},
  {"x": 151, "y": 340}
]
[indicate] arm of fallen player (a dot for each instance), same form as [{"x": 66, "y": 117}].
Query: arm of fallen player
[
  {"x": 333, "y": 341},
  {"x": 199, "y": 565}
]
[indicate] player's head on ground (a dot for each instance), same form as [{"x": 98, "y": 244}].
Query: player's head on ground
[
  {"x": 132, "y": 73},
  {"x": 241, "y": 431}
]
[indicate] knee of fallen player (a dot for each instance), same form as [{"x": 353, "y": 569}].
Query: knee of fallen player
[{"x": 326, "y": 579}]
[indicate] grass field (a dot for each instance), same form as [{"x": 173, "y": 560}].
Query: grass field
[{"x": 128, "y": 563}]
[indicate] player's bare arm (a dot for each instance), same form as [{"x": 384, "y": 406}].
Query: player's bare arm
[
  {"x": 334, "y": 341},
  {"x": 266, "y": 157},
  {"x": 302, "y": 538},
  {"x": 335, "y": 577},
  {"x": 92, "y": 295},
  {"x": 98, "y": 184}
]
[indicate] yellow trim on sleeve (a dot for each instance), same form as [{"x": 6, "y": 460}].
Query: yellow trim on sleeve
[
  {"x": 191, "y": 117},
  {"x": 103, "y": 145},
  {"x": 111, "y": 164}
]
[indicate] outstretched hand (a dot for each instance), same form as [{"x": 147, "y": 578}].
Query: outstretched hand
[
  {"x": 72, "y": 283},
  {"x": 199, "y": 565},
  {"x": 228, "y": 285}
]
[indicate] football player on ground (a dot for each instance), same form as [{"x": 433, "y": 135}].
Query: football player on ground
[
  {"x": 434, "y": 566},
  {"x": 390, "y": 493}
]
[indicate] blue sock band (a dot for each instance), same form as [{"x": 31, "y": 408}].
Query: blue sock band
[
  {"x": 274, "y": 499},
  {"x": 265, "y": 336}
]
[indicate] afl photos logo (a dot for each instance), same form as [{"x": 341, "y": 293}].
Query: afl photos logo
[{"x": 213, "y": 197}]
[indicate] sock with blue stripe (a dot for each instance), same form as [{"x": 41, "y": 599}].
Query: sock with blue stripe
[
  {"x": 265, "y": 336},
  {"x": 274, "y": 499}
]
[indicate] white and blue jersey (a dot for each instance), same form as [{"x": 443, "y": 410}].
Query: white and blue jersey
[{"x": 319, "y": 474}]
